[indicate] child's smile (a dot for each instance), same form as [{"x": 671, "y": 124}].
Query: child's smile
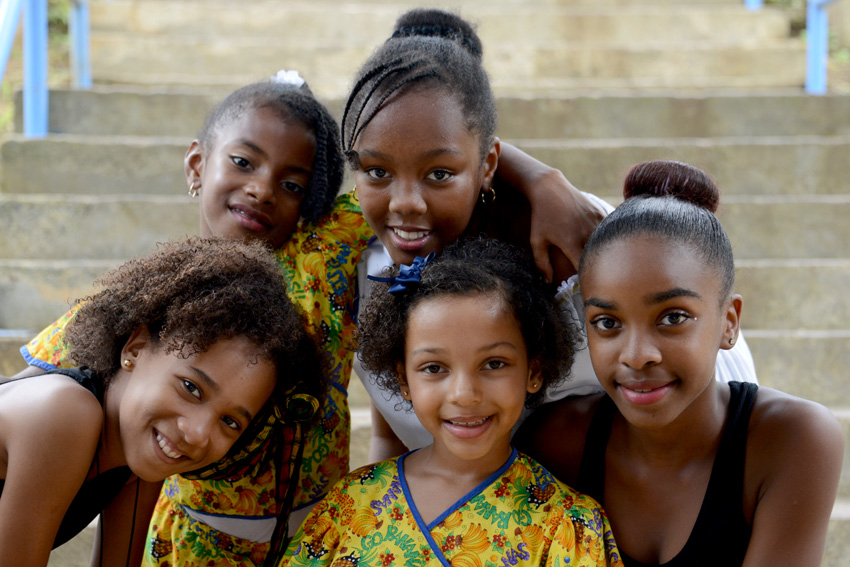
[{"x": 467, "y": 375}]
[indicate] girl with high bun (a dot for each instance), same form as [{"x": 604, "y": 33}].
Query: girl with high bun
[
  {"x": 419, "y": 132},
  {"x": 691, "y": 470}
]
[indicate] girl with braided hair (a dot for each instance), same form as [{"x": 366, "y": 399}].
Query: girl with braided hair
[{"x": 419, "y": 132}]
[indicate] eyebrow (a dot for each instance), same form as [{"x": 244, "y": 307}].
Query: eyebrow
[
  {"x": 649, "y": 300},
  {"x": 482, "y": 349},
  {"x": 213, "y": 385},
  {"x": 427, "y": 155}
]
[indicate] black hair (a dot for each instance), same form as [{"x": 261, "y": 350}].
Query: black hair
[
  {"x": 291, "y": 103},
  {"x": 470, "y": 267},
  {"x": 675, "y": 201},
  {"x": 191, "y": 294},
  {"x": 428, "y": 49}
]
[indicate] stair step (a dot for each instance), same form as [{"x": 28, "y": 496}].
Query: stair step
[
  {"x": 512, "y": 66},
  {"x": 740, "y": 165},
  {"x": 793, "y": 165},
  {"x": 361, "y": 24},
  {"x": 156, "y": 111},
  {"x": 98, "y": 227}
]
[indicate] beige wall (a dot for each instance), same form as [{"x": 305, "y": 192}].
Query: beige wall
[{"x": 839, "y": 20}]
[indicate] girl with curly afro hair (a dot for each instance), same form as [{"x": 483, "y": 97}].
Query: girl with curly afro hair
[{"x": 182, "y": 354}]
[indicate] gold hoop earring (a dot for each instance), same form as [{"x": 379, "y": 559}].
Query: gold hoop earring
[
  {"x": 488, "y": 196},
  {"x": 193, "y": 189}
]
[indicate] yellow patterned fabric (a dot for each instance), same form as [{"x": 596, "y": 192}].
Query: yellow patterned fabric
[
  {"x": 320, "y": 263},
  {"x": 521, "y": 515}
]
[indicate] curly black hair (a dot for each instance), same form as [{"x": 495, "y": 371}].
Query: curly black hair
[
  {"x": 191, "y": 294},
  {"x": 291, "y": 103},
  {"x": 470, "y": 267},
  {"x": 428, "y": 49}
]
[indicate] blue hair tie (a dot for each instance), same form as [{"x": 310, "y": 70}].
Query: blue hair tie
[{"x": 408, "y": 277}]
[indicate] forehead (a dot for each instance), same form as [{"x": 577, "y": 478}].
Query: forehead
[
  {"x": 647, "y": 264},
  {"x": 262, "y": 121},
  {"x": 422, "y": 116},
  {"x": 474, "y": 315}
]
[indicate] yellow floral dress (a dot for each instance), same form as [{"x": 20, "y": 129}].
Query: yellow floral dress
[
  {"x": 521, "y": 515},
  {"x": 320, "y": 263}
]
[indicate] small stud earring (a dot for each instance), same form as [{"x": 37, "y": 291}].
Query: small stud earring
[
  {"x": 193, "y": 189},
  {"x": 404, "y": 393},
  {"x": 128, "y": 363},
  {"x": 732, "y": 341}
]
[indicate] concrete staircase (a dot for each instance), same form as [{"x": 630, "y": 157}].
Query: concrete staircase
[{"x": 588, "y": 86}]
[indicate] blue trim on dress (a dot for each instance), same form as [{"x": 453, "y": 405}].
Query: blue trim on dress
[
  {"x": 426, "y": 529},
  {"x": 33, "y": 361}
]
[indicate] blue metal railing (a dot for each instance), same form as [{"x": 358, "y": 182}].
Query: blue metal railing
[
  {"x": 817, "y": 42},
  {"x": 35, "y": 53}
]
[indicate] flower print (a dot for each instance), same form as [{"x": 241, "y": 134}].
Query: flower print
[
  {"x": 387, "y": 559},
  {"x": 499, "y": 540},
  {"x": 396, "y": 514}
]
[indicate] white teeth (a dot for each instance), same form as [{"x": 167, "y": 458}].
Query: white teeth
[
  {"x": 410, "y": 235},
  {"x": 469, "y": 423},
  {"x": 163, "y": 444}
]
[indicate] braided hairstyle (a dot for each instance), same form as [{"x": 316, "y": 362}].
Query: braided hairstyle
[
  {"x": 470, "y": 267},
  {"x": 191, "y": 294},
  {"x": 291, "y": 102},
  {"x": 428, "y": 49},
  {"x": 675, "y": 201}
]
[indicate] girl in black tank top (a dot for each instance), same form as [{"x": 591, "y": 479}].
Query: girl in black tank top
[{"x": 691, "y": 471}]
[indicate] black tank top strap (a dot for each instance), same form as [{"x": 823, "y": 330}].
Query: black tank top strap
[
  {"x": 84, "y": 376},
  {"x": 591, "y": 473}
]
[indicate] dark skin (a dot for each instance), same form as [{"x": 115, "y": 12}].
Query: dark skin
[{"x": 653, "y": 331}]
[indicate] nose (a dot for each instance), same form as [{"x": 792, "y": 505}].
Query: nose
[
  {"x": 196, "y": 428},
  {"x": 465, "y": 389},
  {"x": 639, "y": 350},
  {"x": 261, "y": 190},
  {"x": 406, "y": 199}
]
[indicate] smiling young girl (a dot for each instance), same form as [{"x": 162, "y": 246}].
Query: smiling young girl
[
  {"x": 418, "y": 131},
  {"x": 691, "y": 471},
  {"x": 183, "y": 353},
  {"x": 468, "y": 339}
]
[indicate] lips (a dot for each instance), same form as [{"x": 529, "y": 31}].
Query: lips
[
  {"x": 468, "y": 427},
  {"x": 250, "y": 218},
  {"x": 644, "y": 394},
  {"x": 409, "y": 239}
]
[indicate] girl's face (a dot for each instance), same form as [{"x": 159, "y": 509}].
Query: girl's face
[
  {"x": 420, "y": 173},
  {"x": 178, "y": 414},
  {"x": 254, "y": 176},
  {"x": 467, "y": 373},
  {"x": 654, "y": 326}
]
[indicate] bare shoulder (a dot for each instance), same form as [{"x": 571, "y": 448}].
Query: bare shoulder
[
  {"x": 554, "y": 435},
  {"x": 49, "y": 403},
  {"x": 788, "y": 432}
]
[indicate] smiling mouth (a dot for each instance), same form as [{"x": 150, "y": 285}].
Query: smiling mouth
[
  {"x": 255, "y": 221},
  {"x": 481, "y": 421},
  {"x": 166, "y": 447},
  {"x": 412, "y": 235}
]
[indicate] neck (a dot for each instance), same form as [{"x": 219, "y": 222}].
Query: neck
[{"x": 696, "y": 432}]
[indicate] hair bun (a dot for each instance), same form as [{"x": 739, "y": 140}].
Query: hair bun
[
  {"x": 438, "y": 23},
  {"x": 675, "y": 179}
]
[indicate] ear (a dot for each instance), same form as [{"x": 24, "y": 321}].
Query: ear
[
  {"x": 732, "y": 322},
  {"x": 491, "y": 162},
  {"x": 139, "y": 340},
  {"x": 402, "y": 381},
  {"x": 193, "y": 164},
  {"x": 535, "y": 378}
]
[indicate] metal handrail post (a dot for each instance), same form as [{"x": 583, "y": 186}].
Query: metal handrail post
[
  {"x": 817, "y": 45},
  {"x": 78, "y": 30},
  {"x": 753, "y": 5},
  {"x": 35, "y": 68},
  {"x": 10, "y": 15}
]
